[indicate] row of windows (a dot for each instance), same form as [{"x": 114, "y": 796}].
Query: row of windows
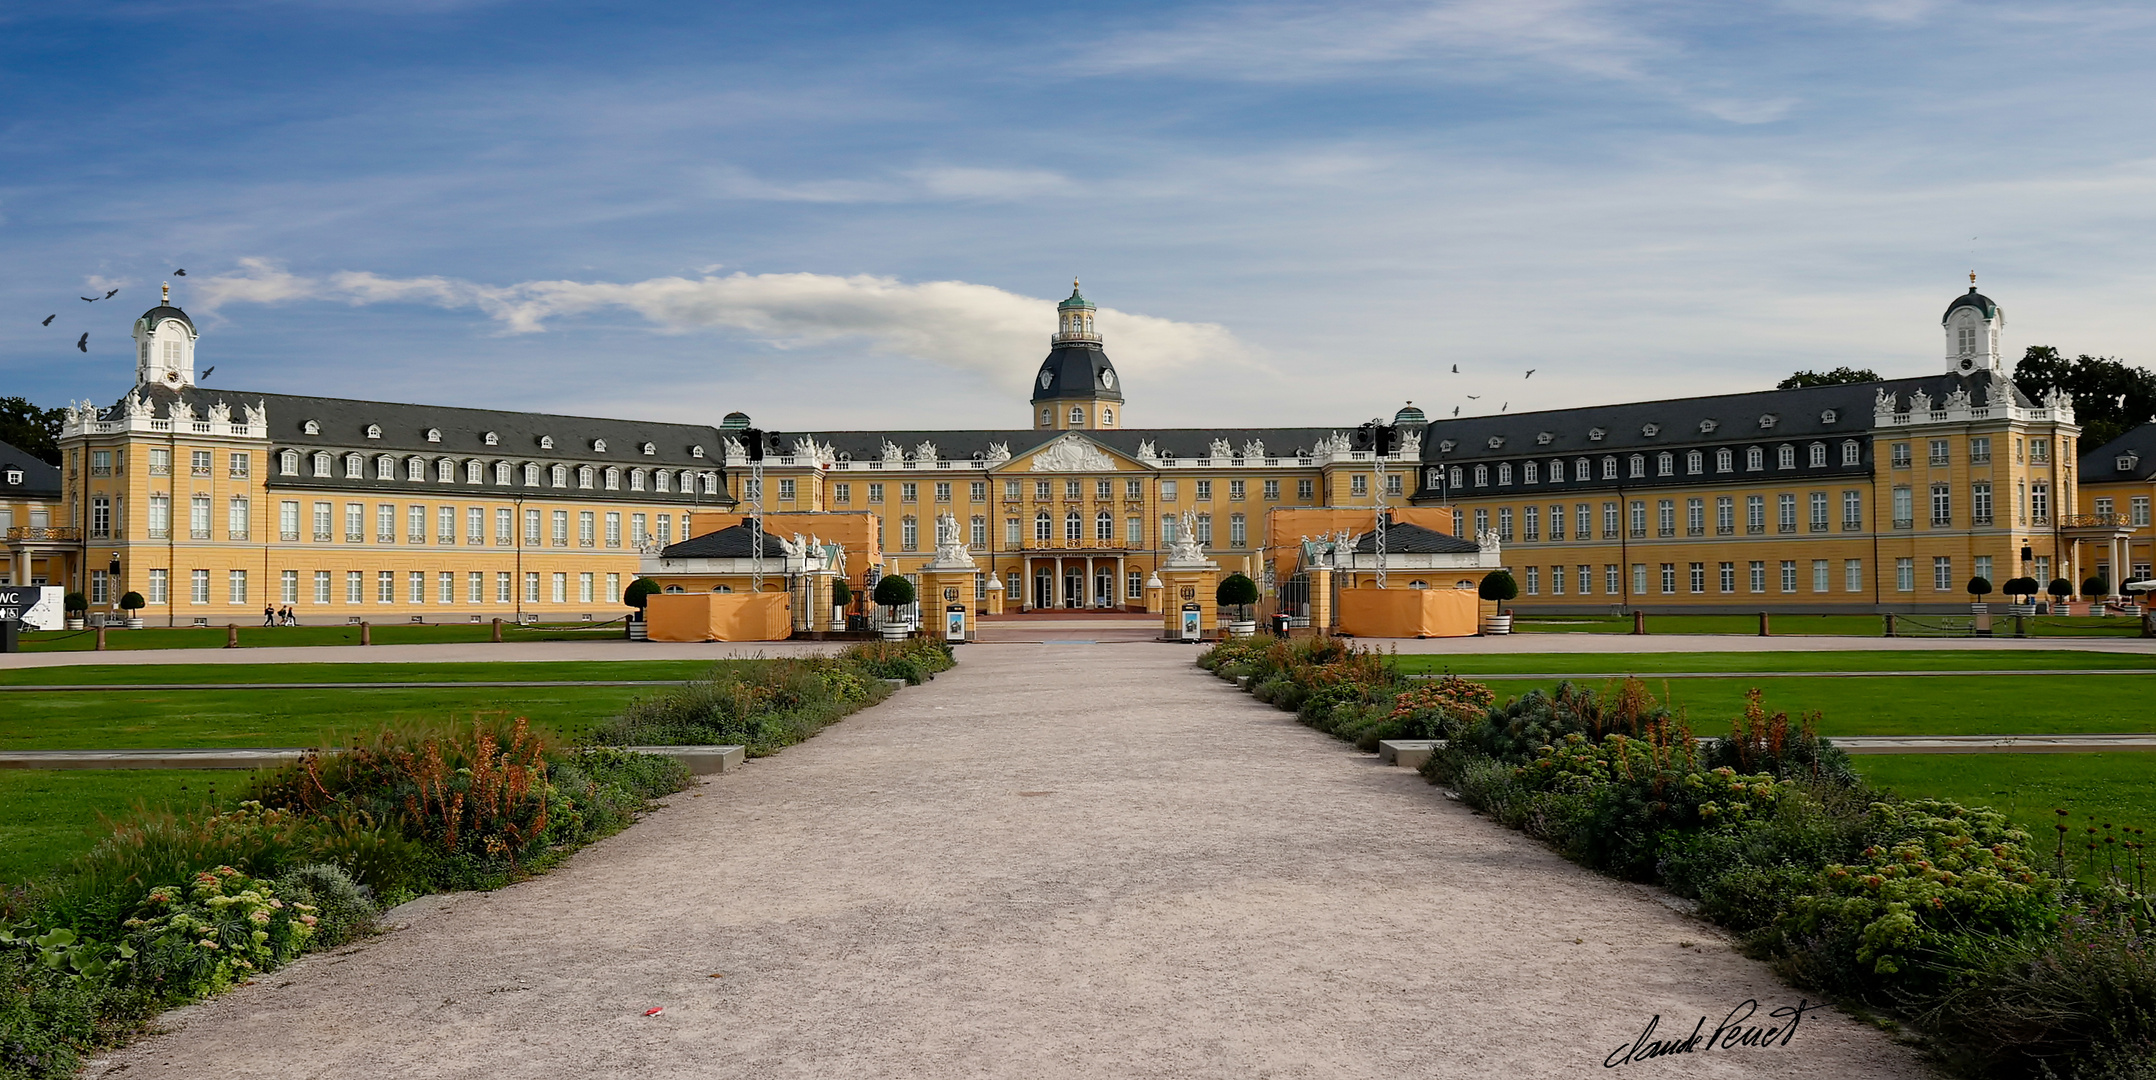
[
  {"x": 1757, "y": 576},
  {"x": 1940, "y": 452},
  {"x": 388, "y": 587},
  {"x": 1074, "y": 527},
  {"x": 1045, "y": 490},
  {"x": 2137, "y": 514},
  {"x": 491, "y": 438},
  {"x": 504, "y": 473},
  {"x": 1814, "y": 514},
  {"x": 1665, "y": 464},
  {"x": 1077, "y": 414},
  {"x": 416, "y": 523}
]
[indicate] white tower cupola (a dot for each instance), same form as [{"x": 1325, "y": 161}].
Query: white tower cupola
[
  {"x": 1972, "y": 325},
  {"x": 165, "y": 346}
]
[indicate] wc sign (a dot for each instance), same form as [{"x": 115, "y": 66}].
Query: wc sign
[{"x": 31, "y": 607}]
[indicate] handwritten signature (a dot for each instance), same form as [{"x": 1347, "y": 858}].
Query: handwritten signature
[{"x": 1734, "y": 1032}]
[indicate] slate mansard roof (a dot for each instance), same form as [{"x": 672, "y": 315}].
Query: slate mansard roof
[
  {"x": 1764, "y": 417},
  {"x": 39, "y": 480},
  {"x": 2136, "y": 450},
  {"x": 1402, "y": 538},
  {"x": 1183, "y": 443},
  {"x": 1076, "y": 369},
  {"x": 731, "y": 542}
]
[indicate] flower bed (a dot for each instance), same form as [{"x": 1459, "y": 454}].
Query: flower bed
[
  {"x": 173, "y": 906},
  {"x": 2019, "y": 962}
]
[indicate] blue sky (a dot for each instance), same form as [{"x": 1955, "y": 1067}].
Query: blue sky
[{"x": 838, "y": 215}]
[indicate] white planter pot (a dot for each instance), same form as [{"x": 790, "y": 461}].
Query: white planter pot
[
  {"x": 74, "y": 624},
  {"x": 134, "y": 622},
  {"x": 1979, "y": 609},
  {"x": 1243, "y": 628},
  {"x": 896, "y": 631},
  {"x": 1497, "y": 624},
  {"x": 638, "y": 632}
]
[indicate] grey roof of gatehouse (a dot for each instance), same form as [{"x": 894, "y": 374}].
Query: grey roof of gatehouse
[
  {"x": 731, "y": 542},
  {"x": 39, "y": 480},
  {"x": 1402, "y": 538},
  {"x": 2101, "y": 465}
]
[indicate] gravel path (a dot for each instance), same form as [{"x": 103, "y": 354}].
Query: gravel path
[{"x": 1020, "y": 871}]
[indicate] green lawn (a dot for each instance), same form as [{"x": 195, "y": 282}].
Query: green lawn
[
  {"x": 1788, "y": 625},
  {"x": 271, "y": 674},
  {"x": 257, "y": 635},
  {"x": 2030, "y": 788},
  {"x": 48, "y": 817},
  {"x": 122, "y": 718},
  {"x": 1651, "y": 663}
]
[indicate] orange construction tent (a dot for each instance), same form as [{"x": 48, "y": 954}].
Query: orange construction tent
[
  {"x": 703, "y": 616},
  {"x": 1408, "y": 613}
]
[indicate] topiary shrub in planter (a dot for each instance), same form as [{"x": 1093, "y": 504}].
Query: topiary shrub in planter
[
  {"x": 133, "y": 603},
  {"x": 2060, "y": 588},
  {"x": 1979, "y": 588},
  {"x": 1498, "y": 587},
  {"x": 1239, "y": 592},
  {"x": 639, "y": 593},
  {"x": 893, "y": 592},
  {"x": 2095, "y": 586}
]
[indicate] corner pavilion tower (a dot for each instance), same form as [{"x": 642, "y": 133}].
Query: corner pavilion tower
[{"x": 1076, "y": 388}]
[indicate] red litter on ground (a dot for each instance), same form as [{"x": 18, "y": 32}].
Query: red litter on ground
[{"x": 655, "y": 1010}]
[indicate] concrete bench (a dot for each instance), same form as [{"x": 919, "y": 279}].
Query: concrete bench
[{"x": 1408, "y": 753}]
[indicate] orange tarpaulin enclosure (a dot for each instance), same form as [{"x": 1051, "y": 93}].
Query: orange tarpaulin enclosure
[
  {"x": 704, "y": 616},
  {"x": 1408, "y": 613}
]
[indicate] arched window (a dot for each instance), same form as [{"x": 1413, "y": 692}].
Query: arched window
[
  {"x": 1107, "y": 416},
  {"x": 493, "y": 439},
  {"x": 311, "y": 427},
  {"x": 1755, "y": 459},
  {"x": 585, "y": 476},
  {"x": 1694, "y": 463},
  {"x": 1724, "y": 461},
  {"x": 650, "y": 450},
  {"x": 1609, "y": 468},
  {"x": 1557, "y": 470},
  {"x": 598, "y": 446},
  {"x": 374, "y": 431},
  {"x": 445, "y": 471},
  {"x": 1044, "y": 527},
  {"x": 1077, "y": 415},
  {"x": 1530, "y": 473},
  {"x": 1073, "y": 526},
  {"x": 1048, "y": 418},
  {"x": 546, "y": 442},
  {"x": 504, "y": 473},
  {"x": 1457, "y": 478},
  {"x": 636, "y": 479},
  {"x": 1785, "y": 456},
  {"x": 1639, "y": 465},
  {"x": 531, "y": 474},
  {"x": 415, "y": 468},
  {"x": 1818, "y": 454},
  {"x": 355, "y": 467},
  {"x": 1482, "y": 476},
  {"x": 661, "y": 480},
  {"x": 434, "y": 434},
  {"x": 613, "y": 478},
  {"x": 288, "y": 463},
  {"x": 1103, "y": 526},
  {"x": 558, "y": 476},
  {"x": 385, "y": 468},
  {"x": 475, "y": 472},
  {"x": 1665, "y": 464}
]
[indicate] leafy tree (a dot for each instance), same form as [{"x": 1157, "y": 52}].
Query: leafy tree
[
  {"x": 132, "y": 602},
  {"x": 1979, "y": 586},
  {"x": 2095, "y": 585},
  {"x": 2110, "y": 396},
  {"x": 841, "y": 592},
  {"x": 1837, "y": 377},
  {"x": 2060, "y": 588},
  {"x": 75, "y": 601},
  {"x": 1238, "y": 591},
  {"x": 894, "y": 592},
  {"x": 35, "y": 431},
  {"x": 1498, "y": 586}
]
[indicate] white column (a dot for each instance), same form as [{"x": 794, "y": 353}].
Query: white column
[
  {"x": 1055, "y": 588},
  {"x": 1087, "y": 592}
]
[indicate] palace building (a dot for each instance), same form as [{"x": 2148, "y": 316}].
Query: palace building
[{"x": 1877, "y": 496}]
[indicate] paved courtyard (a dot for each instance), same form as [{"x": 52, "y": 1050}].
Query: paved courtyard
[{"x": 1028, "y": 869}]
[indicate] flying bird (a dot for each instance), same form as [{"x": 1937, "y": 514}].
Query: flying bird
[
  {"x": 1530, "y": 373},
  {"x": 82, "y": 343},
  {"x": 1474, "y": 397},
  {"x": 1455, "y": 369},
  {"x": 89, "y": 299},
  {"x": 1506, "y": 405},
  {"x": 49, "y": 319},
  {"x": 206, "y": 372},
  {"x": 179, "y": 273},
  {"x": 109, "y": 295},
  {"x": 1455, "y": 410}
]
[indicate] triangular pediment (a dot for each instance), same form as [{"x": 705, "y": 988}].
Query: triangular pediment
[{"x": 1072, "y": 451}]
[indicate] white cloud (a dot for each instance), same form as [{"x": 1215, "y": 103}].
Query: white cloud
[{"x": 957, "y": 324}]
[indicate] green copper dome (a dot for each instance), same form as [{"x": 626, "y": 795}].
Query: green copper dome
[{"x": 1077, "y": 299}]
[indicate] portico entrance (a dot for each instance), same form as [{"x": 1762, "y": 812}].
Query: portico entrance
[{"x": 1074, "y": 581}]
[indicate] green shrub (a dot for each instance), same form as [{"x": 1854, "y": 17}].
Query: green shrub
[
  {"x": 220, "y": 928},
  {"x": 2079, "y": 1003},
  {"x": 49, "y": 1019},
  {"x": 343, "y": 911}
]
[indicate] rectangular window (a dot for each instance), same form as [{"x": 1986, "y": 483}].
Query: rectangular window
[
  {"x": 1900, "y": 455},
  {"x": 1012, "y": 537},
  {"x": 2039, "y": 451},
  {"x": 160, "y": 517},
  {"x": 1135, "y": 489},
  {"x": 1698, "y": 577},
  {"x": 355, "y": 587},
  {"x": 198, "y": 462},
  {"x": 1534, "y": 580},
  {"x": 1665, "y": 517},
  {"x": 1504, "y": 524},
  {"x": 1235, "y": 490},
  {"x": 1905, "y": 574},
  {"x": 1785, "y": 507},
  {"x": 1238, "y": 531},
  {"x": 385, "y": 523},
  {"x": 355, "y": 523},
  {"x": 1983, "y": 567},
  {"x": 1819, "y": 511},
  {"x": 504, "y": 526},
  {"x": 198, "y": 517},
  {"x": 1205, "y": 490},
  {"x": 2138, "y": 510},
  {"x": 1557, "y": 581},
  {"x": 584, "y": 585},
  {"x": 1557, "y": 521},
  {"x": 1822, "y": 575},
  {"x": 786, "y": 490},
  {"x": 875, "y": 493},
  {"x": 1853, "y": 575},
  {"x": 475, "y": 587},
  {"x": 1755, "y": 514},
  {"x": 1611, "y": 581},
  {"x": 531, "y": 528},
  {"x": 475, "y": 525},
  {"x": 1304, "y": 489},
  {"x": 445, "y": 587},
  {"x": 503, "y": 593},
  {"x": 1134, "y": 585},
  {"x": 1904, "y": 509},
  {"x": 1758, "y": 576},
  {"x": 613, "y": 589},
  {"x": 1584, "y": 575},
  {"x": 909, "y": 534},
  {"x": 1482, "y": 521},
  {"x": 978, "y": 492},
  {"x": 1695, "y": 517},
  {"x": 198, "y": 586},
  {"x": 1728, "y": 576},
  {"x": 560, "y": 581},
  {"x": 561, "y": 528},
  {"x": 666, "y": 528},
  {"x": 1852, "y": 511},
  {"x": 415, "y": 586},
  {"x": 100, "y": 587},
  {"x": 385, "y": 587},
  {"x": 909, "y": 491},
  {"x": 531, "y": 587},
  {"x": 842, "y": 494},
  {"x": 1938, "y": 452},
  {"x": 1392, "y": 484},
  {"x": 2040, "y": 502},
  {"x": 1942, "y": 573},
  {"x": 978, "y": 533},
  {"x": 415, "y": 524},
  {"x": 1639, "y": 520},
  {"x": 1942, "y": 506},
  {"x": 1609, "y": 521},
  {"x": 160, "y": 462},
  {"x": 1980, "y": 450},
  {"x": 1669, "y": 579},
  {"x": 1531, "y": 523},
  {"x": 587, "y": 529},
  {"x": 288, "y": 586},
  {"x": 1359, "y": 484},
  {"x": 321, "y": 587},
  {"x": 1789, "y": 575},
  {"x": 445, "y": 525},
  {"x": 1134, "y": 532}
]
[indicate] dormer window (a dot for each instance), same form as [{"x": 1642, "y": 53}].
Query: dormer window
[
  {"x": 14, "y": 477},
  {"x": 1827, "y": 417},
  {"x": 612, "y": 478},
  {"x": 1755, "y": 459},
  {"x": 1594, "y": 434},
  {"x": 1445, "y": 447},
  {"x": 1706, "y": 427},
  {"x": 696, "y": 451},
  {"x": 1543, "y": 438},
  {"x": 2128, "y": 462},
  {"x": 1496, "y": 441},
  {"x": 493, "y": 439},
  {"x": 1638, "y": 463},
  {"x": 598, "y": 446},
  {"x": 374, "y": 431},
  {"x": 1650, "y": 430},
  {"x": 1724, "y": 460},
  {"x": 1609, "y": 468},
  {"x": 1785, "y": 456},
  {"x": 546, "y": 442},
  {"x": 311, "y": 427},
  {"x": 1766, "y": 421},
  {"x": 434, "y": 434},
  {"x": 649, "y": 450},
  {"x": 1694, "y": 463}
]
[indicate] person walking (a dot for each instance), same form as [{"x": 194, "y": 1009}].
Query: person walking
[{"x": 269, "y": 614}]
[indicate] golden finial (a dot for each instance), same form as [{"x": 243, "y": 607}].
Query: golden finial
[
  {"x": 1074, "y": 284},
  {"x": 168, "y": 292},
  {"x": 1972, "y": 279}
]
